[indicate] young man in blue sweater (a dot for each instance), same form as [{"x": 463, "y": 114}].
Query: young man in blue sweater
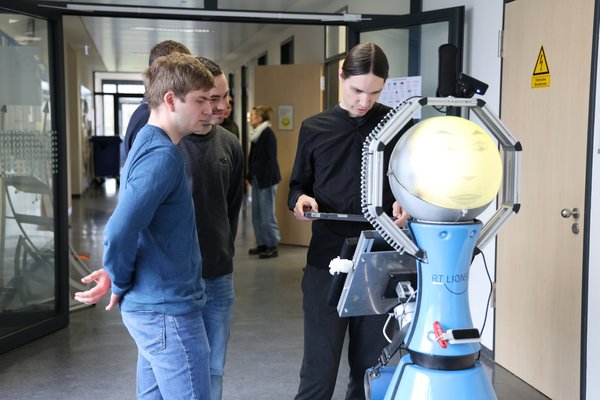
[{"x": 152, "y": 262}]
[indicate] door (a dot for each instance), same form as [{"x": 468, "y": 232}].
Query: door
[
  {"x": 34, "y": 297},
  {"x": 540, "y": 251},
  {"x": 301, "y": 99}
]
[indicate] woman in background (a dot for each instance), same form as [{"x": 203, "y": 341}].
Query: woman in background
[{"x": 263, "y": 175}]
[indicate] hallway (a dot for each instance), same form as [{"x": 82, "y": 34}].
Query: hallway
[{"x": 94, "y": 358}]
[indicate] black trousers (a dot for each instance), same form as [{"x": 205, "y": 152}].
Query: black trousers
[{"x": 324, "y": 333}]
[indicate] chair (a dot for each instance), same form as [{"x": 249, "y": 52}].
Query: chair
[{"x": 32, "y": 282}]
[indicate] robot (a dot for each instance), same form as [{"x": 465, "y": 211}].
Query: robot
[{"x": 444, "y": 171}]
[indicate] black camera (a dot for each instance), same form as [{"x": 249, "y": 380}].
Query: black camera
[{"x": 467, "y": 86}]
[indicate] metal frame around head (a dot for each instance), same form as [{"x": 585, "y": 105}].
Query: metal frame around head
[{"x": 373, "y": 166}]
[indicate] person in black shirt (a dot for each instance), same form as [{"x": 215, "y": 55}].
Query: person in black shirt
[
  {"x": 326, "y": 178},
  {"x": 214, "y": 163}
]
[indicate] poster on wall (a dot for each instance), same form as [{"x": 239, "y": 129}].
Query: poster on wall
[
  {"x": 286, "y": 117},
  {"x": 396, "y": 90}
]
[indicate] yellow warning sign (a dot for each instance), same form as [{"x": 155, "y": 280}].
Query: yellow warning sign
[{"x": 541, "y": 72}]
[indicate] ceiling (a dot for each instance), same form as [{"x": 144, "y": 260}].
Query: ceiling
[{"x": 123, "y": 41}]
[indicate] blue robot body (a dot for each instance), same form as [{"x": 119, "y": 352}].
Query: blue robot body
[
  {"x": 411, "y": 382},
  {"x": 443, "y": 297},
  {"x": 438, "y": 364}
]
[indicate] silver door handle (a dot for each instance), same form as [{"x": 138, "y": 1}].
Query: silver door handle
[{"x": 566, "y": 213}]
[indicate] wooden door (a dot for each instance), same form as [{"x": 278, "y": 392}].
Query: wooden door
[
  {"x": 539, "y": 266},
  {"x": 297, "y": 87}
]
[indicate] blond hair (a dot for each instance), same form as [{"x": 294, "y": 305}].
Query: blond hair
[{"x": 263, "y": 112}]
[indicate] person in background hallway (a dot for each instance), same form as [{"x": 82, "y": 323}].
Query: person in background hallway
[
  {"x": 326, "y": 178},
  {"x": 152, "y": 262},
  {"x": 228, "y": 122},
  {"x": 263, "y": 175},
  {"x": 142, "y": 112},
  {"x": 215, "y": 166}
]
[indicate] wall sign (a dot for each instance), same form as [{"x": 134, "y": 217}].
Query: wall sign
[
  {"x": 541, "y": 72},
  {"x": 286, "y": 117}
]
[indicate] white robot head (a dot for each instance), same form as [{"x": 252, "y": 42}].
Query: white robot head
[{"x": 445, "y": 169}]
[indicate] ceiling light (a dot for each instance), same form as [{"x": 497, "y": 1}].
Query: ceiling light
[
  {"x": 25, "y": 39},
  {"x": 159, "y": 29}
]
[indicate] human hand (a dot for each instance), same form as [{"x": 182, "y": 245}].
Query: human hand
[
  {"x": 400, "y": 214},
  {"x": 95, "y": 294},
  {"x": 114, "y": 301},
  {"x": 304, "y": 204}
]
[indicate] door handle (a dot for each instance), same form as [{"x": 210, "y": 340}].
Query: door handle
[{"x": 566, "y": 213}]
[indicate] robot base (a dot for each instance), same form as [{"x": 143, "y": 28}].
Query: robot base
[{"x": 412, "y": 382}]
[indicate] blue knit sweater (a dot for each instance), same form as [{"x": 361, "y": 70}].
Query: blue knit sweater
[{"x": 151, "y": 249}]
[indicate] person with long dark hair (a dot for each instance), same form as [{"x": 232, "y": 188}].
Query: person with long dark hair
[{"x": 326, "y": 178}]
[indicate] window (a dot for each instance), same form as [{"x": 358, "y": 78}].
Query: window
[
  {"x": 262, "y": 59},
  {"x": 117, "y": 96},
  {"x": 287, "y": 51}
]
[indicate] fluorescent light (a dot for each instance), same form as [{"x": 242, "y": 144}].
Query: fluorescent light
[
  {"x": 216, "y": 13},
  {"x": 25, "y": 39},
  {"x": 184, "y": 30}
]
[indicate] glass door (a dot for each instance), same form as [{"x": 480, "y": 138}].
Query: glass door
[{"x": 33, "y": 230}]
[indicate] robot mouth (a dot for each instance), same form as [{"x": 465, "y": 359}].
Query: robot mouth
[{"x": 465, "y": 198}]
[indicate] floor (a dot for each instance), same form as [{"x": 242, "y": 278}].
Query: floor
[{"x": 94, "y": 357}]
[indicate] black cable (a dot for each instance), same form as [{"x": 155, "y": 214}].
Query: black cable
[{"x": 490, "y": 295}]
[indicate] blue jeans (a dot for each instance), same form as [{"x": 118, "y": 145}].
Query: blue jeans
[
  {"x": 264, "y": 222},
  {"x": 173, "y": 355},
  {"x": 217, "y": 314}
]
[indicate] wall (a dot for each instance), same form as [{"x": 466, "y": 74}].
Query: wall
[
  {"x": 77, "y": 74},
  {"x": 79, "y": 71}
]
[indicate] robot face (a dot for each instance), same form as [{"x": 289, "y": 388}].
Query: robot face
[{"x": 449, "y": 162}]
